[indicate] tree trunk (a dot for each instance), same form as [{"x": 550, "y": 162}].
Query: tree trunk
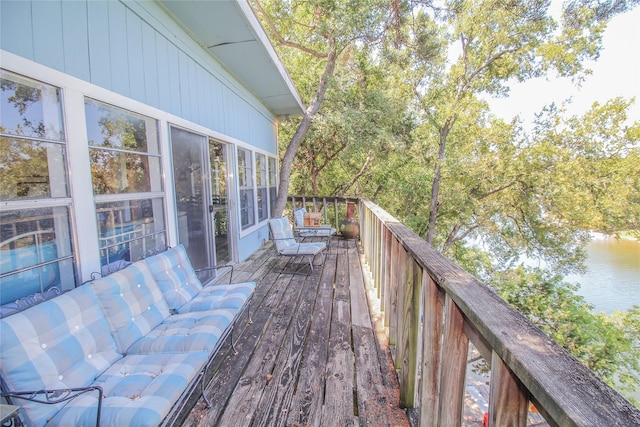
[
  {"x": 303, "y": 128},
  {"x": 435, "y": 186}
]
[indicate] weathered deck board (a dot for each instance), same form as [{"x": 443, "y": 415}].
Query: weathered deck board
[{"x": 297, "y": 364}]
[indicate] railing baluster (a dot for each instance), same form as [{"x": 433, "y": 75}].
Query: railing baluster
[
  {"x": 508, "y": 398},
  {"x": 454, "y": 366},
  {"x": 431, "y": 353}
]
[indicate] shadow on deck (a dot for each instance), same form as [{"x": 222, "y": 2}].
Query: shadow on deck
[{"x": 312, "y": 355}]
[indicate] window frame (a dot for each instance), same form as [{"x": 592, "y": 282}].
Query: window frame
[
  {"x": 155, "y": 195},
  {"x": 58, "y": 200}
]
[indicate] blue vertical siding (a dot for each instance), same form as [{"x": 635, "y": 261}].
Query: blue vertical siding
[
  {"x": 109, "y": 44},
  {"x": 120, "y": 67},
  {"x": 16, "y": 26},
  {"x": 75, "y": 33},
  {"x": 47, "y": 36},
  {"x": 150, "y": 63},
  {"x": 137, "y": 75},
  {"x": 98, "y": 39}
]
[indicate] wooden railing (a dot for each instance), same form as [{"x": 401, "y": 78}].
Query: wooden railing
[
  {"x": 333, "y": 208},
  {"x": 433, "y": 309}
]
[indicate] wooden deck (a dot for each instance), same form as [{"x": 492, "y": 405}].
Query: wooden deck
[{"x": 312, "y": 355}]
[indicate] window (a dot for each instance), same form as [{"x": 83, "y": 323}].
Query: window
[
  {"x": 35, "y": 238},
  {"x": 247, "y": 195},
  {"x": 273, "y": 183},
  {"x": 261, "y": 178},
  {"x": 127, "y": 182}
]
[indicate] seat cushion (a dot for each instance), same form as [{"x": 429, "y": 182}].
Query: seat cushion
[
  {"x": 132, "y": 302},
  {"x": 317, "y": 232},
  {"x": 189, "y": 332},
  {"x": 139, "y": 390},
  {"x": 58, "y": 344},
  {"x": 214, "y": 297},
  {"x": 175, "y": 276},
  {"x": 304, "y": 248}
]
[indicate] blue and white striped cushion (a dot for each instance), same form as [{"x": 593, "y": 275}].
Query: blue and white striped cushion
[
  {"x": 298, "y": 217},
  {"x": 132, "y": 302},
  {"x": 190, "y": 332},
  {"x": 214, "y": 297},
  {"x": 318, "y": 232},
  {"x": 282, "y": 234},
  {"x": 175, "y": 276},
  {"x": 61, "y": 343},
  {"x": 310, "y": 248},
  {"x": 138, "y": 390}
]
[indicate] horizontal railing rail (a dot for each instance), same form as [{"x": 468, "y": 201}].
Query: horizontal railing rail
[{"x": 433, "y": 309}]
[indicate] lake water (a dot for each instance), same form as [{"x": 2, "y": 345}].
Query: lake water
[{"x": 612, "y": 281}]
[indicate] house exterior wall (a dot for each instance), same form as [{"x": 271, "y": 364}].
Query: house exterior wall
[{"x": 134, "y": 56}]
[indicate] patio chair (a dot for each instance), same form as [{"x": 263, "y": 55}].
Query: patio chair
[
  {"x": 323, "y": 230},
  {"x": 286, "y": 244}
]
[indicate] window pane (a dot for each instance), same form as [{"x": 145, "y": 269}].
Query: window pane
[
  {"x": 263, "y": 211},
  {"x": 111, "y": 127},
  {"x": 30, "y": 108},
  {"x": 124, "y": 150},
  {"x": 273, "y": 172},
  {"x": 246, "y": 208},
  {"x": 261, "y": 170},
  {"x": 273, "y": 190},
  {"x": 129, "y": 230},
  {"x": 36, "y": 252},
  {"x": 245, "y": 170},
  {"x": 117, "y": 172},
  {"x": 32, "y": 169}
]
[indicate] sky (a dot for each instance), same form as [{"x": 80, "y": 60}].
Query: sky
[{"x": 615, "y": 73}]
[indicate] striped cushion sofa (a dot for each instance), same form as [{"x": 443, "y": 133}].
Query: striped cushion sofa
[{"x": 123, "y": 350}]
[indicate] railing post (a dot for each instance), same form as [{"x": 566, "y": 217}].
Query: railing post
[
  {"x": 454, "y": 365},
  {"x": 431, "y": 352},
  {"x": 395, "y": 326},
  {"x": 508, "y": 399},
  {"x": 407, "y": 349}
]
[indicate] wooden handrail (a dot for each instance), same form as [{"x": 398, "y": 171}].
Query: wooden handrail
[{"x": 433, "y": 309}]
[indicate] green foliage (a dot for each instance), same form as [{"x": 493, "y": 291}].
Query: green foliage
[
  {"x": 404, "y": 123},
  {"x": 607, "y": 345}
]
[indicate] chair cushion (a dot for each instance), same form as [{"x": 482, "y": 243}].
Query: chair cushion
[
  {"x": 189, "y": 332},
  {"x": 60, "y": 343},
  {"x": 175, "y": 276},
  {"x": 132, "y": 302},
  {"x": 220, "y": 296},
  {"x": 138, "y": 391},
  {"x": 318, "y": 232},
  {"x": 304, "y": 248},
  {"x": 281, "y": 233},
  {"x": 298, "y": 217}
]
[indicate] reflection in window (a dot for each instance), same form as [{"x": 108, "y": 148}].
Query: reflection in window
[
  {"x": 124, "y": 150},
  {"x": 29, "y": 108},
  {"x": 247, "y": 195},
  {"x": 127, "y": 183},
  {"x": 36, "y": 252},
  {"x": 261, "y": 178},
  {"x": 273, "y": 183},
  {"x": 130, "y": 230}
]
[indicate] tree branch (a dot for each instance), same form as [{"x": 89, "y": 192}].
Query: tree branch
[{"x": 276, "y": 34}]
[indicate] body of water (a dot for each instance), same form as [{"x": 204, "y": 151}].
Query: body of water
[{"x": 612, "y": 281}]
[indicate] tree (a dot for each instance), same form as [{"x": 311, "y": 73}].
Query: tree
[{"x": 317, "y": 33}]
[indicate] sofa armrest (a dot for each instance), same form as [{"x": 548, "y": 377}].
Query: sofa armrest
[
  {"x": 52, "y": 397},
  {"x": 217, "y": 267}
]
